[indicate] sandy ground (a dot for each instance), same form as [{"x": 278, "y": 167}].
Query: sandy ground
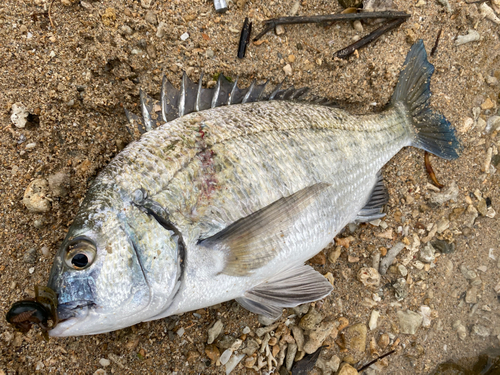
[{"x": 75, "y": 72}]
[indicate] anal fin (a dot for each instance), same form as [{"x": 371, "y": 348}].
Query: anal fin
[
  {"x": 373, "y": 208},
  {"x": 295, "y": 286}
]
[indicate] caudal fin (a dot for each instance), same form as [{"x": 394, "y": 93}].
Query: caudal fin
[{"x": 433, "y": 132}]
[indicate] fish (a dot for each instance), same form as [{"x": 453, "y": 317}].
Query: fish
[{"x": 226, "y": 193}]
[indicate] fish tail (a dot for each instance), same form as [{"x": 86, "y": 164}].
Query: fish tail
[{"x": 433, "y": 132}]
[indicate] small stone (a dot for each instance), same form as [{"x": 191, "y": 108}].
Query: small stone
[
  {"x": 287, "y": 69},
  {"x": 358, "y": 26},
  {"x": 212, "y": 353},
  {"x": 100, "y": 372},
  {"x": 279, "y": 29},
  {"x": 442, "y": 225},
  {"x": 30, "y": 256},
  {"x": 45, "y": 251},
  {"x": 311, "y": 319},
  {"x": 383, "y": 341},
  {"x": 249, "y": 362},
  {"x": 402, "y": 270},
  {"x": 35, "y": 196},
  {"x": 209, "y": 53},
  {"x": 487, "y": 104},
  {"x": 251, "y": 347},
  {"x": 126, "y": 30},
  {"x": 290, "y": 355},
  {"x": 298, "y": 335},
  {"x": 330, "y": 278},
  {"x": 467, "y": 273},
  {"x": 151, "y": 17},
  {"x": 492, "y": 124},
  {"x": 246, "y": 330},
  {"x": 59, "y": 184},
  {"x": 109, "y": 17},
  {"x": 19, "y": 116},
  {"x": 318, "y": 335},
  {"x": 369, "y": 277},
  {"x": 184, "y": 36},
  {"x": 451, "y": 193},
  {"x": 492, "y": 81},
  {"x": 330, "y": 366},
  {"x": 409, "y": 321},
  {"x": 472, "y": 36},
  {"x": 146, "y": 4},
  {"x": 471, "y": 295},
  {"x": 233, "y": 362},
  {"x": 443, "y": 247},
  {"x": 319, "y": 259},
  {"x": 468, "y": 124},
  {"x": 427, "y": 254},
  {"x": 425, "y": 311},
  {"x": 334, "y": 254},
  {"x": 224, "y": 358},
  {"x": 355, "y": 340},
  {"x": 480, "y": 330},
  {"x": 400, "y": 289},
  {"x": 104, "y": 362},
  {"x": 266, "y": 321},
  {"x": 372, "y": 324},
  {"x": 461, "y": 330},
  {"x": 291, "y": 58},
  {"x": 470, "y": 216},
  {"x": 386, "y": 261},
  {"x": 347, "y": 369},
  {"x": 215, "y": 331},
  {"x": 162, "y": 30}
]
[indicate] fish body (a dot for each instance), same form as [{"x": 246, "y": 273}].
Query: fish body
[{"x": 229, "y": 202}]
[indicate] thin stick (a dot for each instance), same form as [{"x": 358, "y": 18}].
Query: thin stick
[
  {"x": 50, "y": 18},
  {"x": 272, "y": 23},
  {"x": 375, "y": 360},
  {"x": 433, "y": 51},
  {"x": 349, "y": 50}
]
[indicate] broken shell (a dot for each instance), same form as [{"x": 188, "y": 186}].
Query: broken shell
[
  {"x": 488, "y": 13},
  {"x": 369, "y": 276},
  {"x": 373, "y": 348},
  {"x": 472, "y": 36}
]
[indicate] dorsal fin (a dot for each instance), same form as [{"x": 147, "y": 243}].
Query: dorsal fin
[{"x": 192, "y": 97}]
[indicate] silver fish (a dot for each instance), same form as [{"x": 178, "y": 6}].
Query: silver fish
[{"x": 229, "y": 198}]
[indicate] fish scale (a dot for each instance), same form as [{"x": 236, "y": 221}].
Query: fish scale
[{"x": 229, "y": 200}]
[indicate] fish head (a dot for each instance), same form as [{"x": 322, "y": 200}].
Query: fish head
[{"x": 99, "y": 273}]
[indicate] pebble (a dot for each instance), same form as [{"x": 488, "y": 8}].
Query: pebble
[
  {"x": 347, "y": 369},
  {"x": 35, "y": 196},
  {"x": 251, "y": 347},
  {"x": 225, "y": 356},
  {"x": 468, "y": 124},
  {"x": 330, "y": 366},
  {"x": 146, "y": 4},
  {"x": 209, "y": 53},
  {"x": 369, "y": 277},
  {"x": 425, "y": 311},
  {"x": 126, "y": 30},
  {"x": 59, "y": 184},
  {"x": 372, "y": 324},
  {"x": 250, "y": 362},
  {"x": 446, "y": 4},
  {"x": 298, "y": 335},
  {"x": 355, "y": 340},
  {"x": 334, "y": 254},
  {"x": 104, "y": 362},
  {"x": 409, "y": 321},
  {"x": 30, "y": 256},
  {"x": 461, "y": 329},
  {"x": 151, "y": 17},
  {"x": 290, "y": 356},
  {"x": 442, "y": 225},
  {"x": 100, "y": 372},
  {"x": 215, "y": 331},
  {"x": 472, "y": 36},
  {"x": 480, "y": 330},
  {"x": 402, "y": 270},
  {"x": 19, "y": 115},
  {"x": 467, "y": 273},
  {"x": 443, "y": 247},
  {"x": 246, "y": 330},
  {"x": 184, "y": 36},
  {"x": 319, "y": 335},
  {"x": 279, "y": 29},
  {"x": 400, "y": 289},
  {"x": 487, "y": 104},
  {"x": 213, "y": 353},
  {"x": 451, "y": 193},
  {"x": 233, "y": 362},
  {"x": 470, "y": 216},
  {"x": 383, "y": 341},
  {"x": 492, "y": 124},
  {"x": 162, "y": 29},
  {"x": 311, "y": 319},
  {"x": 471, "y": 295},
  {"x": 358, "y": 26},
  {"x": 386, "y": 261},
  {"x": 287, "y": 69},
  {"x": 427, "y": 254},
  {"x": 266, "y": 321},
  {"x": 488, "y": 13}
]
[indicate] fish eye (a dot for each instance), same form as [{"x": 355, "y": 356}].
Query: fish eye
[{"x": 80, "y": 253}]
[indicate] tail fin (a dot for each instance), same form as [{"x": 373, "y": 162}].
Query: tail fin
[{"x": 433, "y": 132}]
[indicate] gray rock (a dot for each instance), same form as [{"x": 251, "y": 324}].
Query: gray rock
[
  {"x": 470, "y": 216},
  {"x": 400, "y": 289},
  {"x": 162, "y": 29},
  {"x": 467, "y": 273},
  {"x": 386, "y": 261},
  {"x": 480, "y": 330},
  {"x": 317, "y": 336},
  {"x": 30, "y": 256},
  {"x": 409, "y": 321},
  {"x": 233, "y": 362},
  {"x": 443, "y": 247},
  {"x": 355, "y": 340},
  {"x": 328, "y": 366},
  {"x": 225, "y": 342},
  {"x": 451, "y": 193},
  {"x": 427, "y": 254},
  {"x": 151, "y": 17},
  {"x": 290, "y": 356},
  {"x": 59, "y": 184},
  {"x": 461, "y": 330},
  {"x": 251, "y": 347},
  {"x": 471, "y": 295},
  {"x": 265, "y": 321},
  {"x": 301, "y": 309},
  {"x": 298, "y": 335},
  {"x": 311, "y": 319},
  {"x": 215, "y": 331}
]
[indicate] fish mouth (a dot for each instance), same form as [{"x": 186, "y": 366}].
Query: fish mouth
[{"x": 71, "y": 315}]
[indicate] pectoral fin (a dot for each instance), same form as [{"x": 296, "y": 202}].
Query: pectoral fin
[
  {"x": 253, "y": 241},
  {"x": 293, "y": 287}
]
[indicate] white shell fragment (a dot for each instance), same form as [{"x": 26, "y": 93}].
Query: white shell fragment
[
  {"x": 369, "y": 276},
  {"x": 372, "y": 324},
  {"x": 488, "y": 13},
  {"x": 472, "y": 36},
  {"x": 19, "y": 115}
]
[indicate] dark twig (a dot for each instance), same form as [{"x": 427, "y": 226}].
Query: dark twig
[
  {"x": 272, "y": 23},
  {"x": 244, "y": 38},
  {"x": 349, "y": 50},
  {"x": 433, "y": 51},
  {"x": 375, "y": 360},
  {"x": 430, "y": 171}
]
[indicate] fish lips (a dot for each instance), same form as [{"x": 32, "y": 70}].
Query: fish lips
[{"x": 71, "y": 314}]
